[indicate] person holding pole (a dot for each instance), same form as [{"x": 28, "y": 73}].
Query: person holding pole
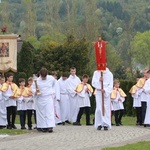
[{"x": 102, "y": 81}]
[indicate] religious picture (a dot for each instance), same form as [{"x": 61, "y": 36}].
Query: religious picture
[{"x": 4, "y": 49}]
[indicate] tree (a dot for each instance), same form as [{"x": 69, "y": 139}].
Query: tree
[
  {"x": 140, "y": 47},
  {"x": 60, "y": 57},
  {"x": 25, "y": 59}
]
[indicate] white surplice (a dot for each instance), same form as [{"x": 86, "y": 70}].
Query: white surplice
[
  {"x": 136, "y": 99},
  {"x": 72, "y": 83},
  {"x": 147, "y": 92},
  {"x": 117, "y": 105},
  {"x": 64, "y": 100},
  {"x": 9, "y": 101},
  {"x": 101, "y": 120},
  {"x": 84, "y": 98},
  {"x": 44, "y": 103},
  {"x": 3, "y": 117}
]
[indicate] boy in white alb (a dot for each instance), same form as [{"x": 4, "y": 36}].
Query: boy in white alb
[
  {"x": 72, "y": 83},
  {"x": 22, "y": 95},
  {"x": 9, "y": 89},
  {"x": 30, "y": 105},
  {"x": 84, "y": 91},
  {"x": 117, "y": 98},
  {"x": 3, "y": 117},
  {"x": 134, "y": 91},
  {"x": 64, "y": 99}
]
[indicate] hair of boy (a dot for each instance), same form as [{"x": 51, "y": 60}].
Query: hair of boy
[
  {"x": 72, "y": 68},
  {"x": 85, "y": 76},
  {"x": 9, "y": 74},
  {"x": 43, "y": 72},
  {"x": 21, "y": 80},
  {"x": 30, "y": 79},
  {"x": 2, "y": 77},
  {"x": 64, "y": 74},
  {"x": 54, "y": 73},
  {"x": 148, "y": 71},
  {"x": 116, "y": 81}
]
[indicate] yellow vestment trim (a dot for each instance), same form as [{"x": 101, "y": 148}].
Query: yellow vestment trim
[
  {"x": 80, "y": 87},
  {"x": 114, "y": 93}
]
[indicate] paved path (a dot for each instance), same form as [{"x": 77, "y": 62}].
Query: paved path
[{"x": 75, "y": 138}]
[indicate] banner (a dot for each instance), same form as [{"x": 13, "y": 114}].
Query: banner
[
  {"x": 100, "y": 54},
  {"x": 8, "y": 52}
]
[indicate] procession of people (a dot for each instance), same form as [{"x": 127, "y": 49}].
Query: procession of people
[{"x": 63, "y": 101}]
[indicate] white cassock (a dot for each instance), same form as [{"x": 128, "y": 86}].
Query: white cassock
[
  {"x": 101, "y": 120},
  {"x": 64, "y": 100},
  {"x": 147, "y": 91},
  {"x": 3, "y": 117},
  {"x": 57, "y": 102},
  {"x": 118, "y": 105},
  {"x": 72, "y": 83},
  {"x": 44, "y": 103}
]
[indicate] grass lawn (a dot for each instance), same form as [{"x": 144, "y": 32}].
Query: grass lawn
[
  {"x": 12, "y": 132},
  {"x": 128, "y": 121},
  {"x": 137, "y": 146}
]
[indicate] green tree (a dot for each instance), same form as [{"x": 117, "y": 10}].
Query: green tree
[
  {"x": 25, "y": 59},
  {"x": 140, "y": 48}
]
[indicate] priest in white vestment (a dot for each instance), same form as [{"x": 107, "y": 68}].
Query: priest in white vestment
[
  {"x": 100, "y": 120},
  {"x": 44, "y": 103},
  {"x": 3, "y": 116},
  {"x": 72, "y": 83},
  {"x": 64, "y": 98}
]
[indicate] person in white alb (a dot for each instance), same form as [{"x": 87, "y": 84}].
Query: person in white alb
[
  {"x": 8, "y": 90},
  {"x": 3, "y": 117},
  {"x": 64, "y": 98},
  {"x": 22, "y": 95},
  {"x": 45, "y": 115},
  {"x": 118, "y": 97},
  {"x": 100, "y": 120},
  {"x": 134, "y": 91},
  {"x": 146, "y": 89},
  {"x": 72, "y": 83},
  {"x": 84, "y": 92}
]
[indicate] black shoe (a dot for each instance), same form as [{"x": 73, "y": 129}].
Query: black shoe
[
  {"x": 50, "y": 130},
  {"x": 39, "y": 129},
  {"x": 120, "y": 123},
  {"x": 14, "y": 127},
  {"x": 112, "y": 124},
  {"x": 9, "y": 127},
  {"x": 145, "y": 125},
  {"x": 76, "y": 124},
  {"x": 35, "y": 128},
  {"x": 89, "y": 124},
  {"x": 23, "y": 128},
  {"x": 59, "y": 123},
  {"x": 105, "y": 128},
  {"x": 30, "y": 128},
  {"x": 2, "y": 127},
  {"x": 44, "y": 129},
  {"x": 68, "y": 122},
  {"x": 117, "y": 124},
  {"x": 63, "y": 123},
  {"x": 99, "y": 127}
]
